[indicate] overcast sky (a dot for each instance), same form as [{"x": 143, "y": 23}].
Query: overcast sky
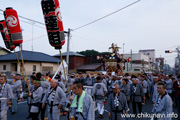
[{"x": 149, "y": 24}]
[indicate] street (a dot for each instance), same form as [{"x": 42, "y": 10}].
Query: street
[{"x": 23, "y": 112}]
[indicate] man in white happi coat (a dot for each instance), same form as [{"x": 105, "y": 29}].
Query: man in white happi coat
[
  {"x": 163, "y": 104},
  {"x": 15, "y": 86},
  {"x": 55, "y": 98},
  {"x": 99, "y": 91},
  {"x": 36, "y": 95},
  {"x": 5, "y": 97},
  {"x": 82, "y": 105}
]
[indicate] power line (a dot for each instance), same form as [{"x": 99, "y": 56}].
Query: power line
[
  {"x": 27, "y": 18},
  {"x": 33, "y": 24},
  {"x": 107, "y": 15},
  {"x": 100, "y": 42},
  {"x": 28, "y": 23},
  {"x": 88, "y": 38},
  {"x": 34, "y": 21},
  {"x": 85, "y": 24},
  {"x": 35, "y": 38},
  {"x": 31, "y": 20},
  {"x": 169, "y": 56},
  {"x": 167, "y": 48}
]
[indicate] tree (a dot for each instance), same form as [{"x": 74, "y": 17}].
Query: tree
[{"x": 92, "y": 52}]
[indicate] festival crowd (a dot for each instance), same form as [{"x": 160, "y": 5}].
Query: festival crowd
[{"x": 79, "y": 95}]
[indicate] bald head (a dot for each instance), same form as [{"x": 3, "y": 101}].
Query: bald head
[
  {"x": 115, "y": 88},
  {"x": 54, "y": 80},
  {"x": 53, "y": 83},
  {"x": 115, "y": 85}
]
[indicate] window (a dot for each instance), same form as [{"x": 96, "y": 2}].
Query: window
[
  {"x": 34, "y": 67},
  {"x": 4, "y": 67},
  {"x": 136, "y": 69},
  {"x": 148, "y": 53},
  {"x": 149, "y": 58}
]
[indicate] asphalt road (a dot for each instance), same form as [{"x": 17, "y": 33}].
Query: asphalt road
[{"x": 23, "y": 112}]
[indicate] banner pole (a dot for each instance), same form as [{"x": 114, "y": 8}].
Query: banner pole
[{"x": 64, "y": 73}]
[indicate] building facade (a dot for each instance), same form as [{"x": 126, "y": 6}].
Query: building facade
[
  {"x": 151, "y": 54},
  {"x": 33, "y": 62},
  {"x": 4, "y": 51},
  {"x": 140, "y": 63},
  {"x": 75, "y": 60},
  {"x": 159, "y": 64}
]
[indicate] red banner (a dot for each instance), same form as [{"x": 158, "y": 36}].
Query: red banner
[
  {"x": 5, "y": 35},
  {"x": 13, "y": 26},
  {"x": 53, "y": 21}
]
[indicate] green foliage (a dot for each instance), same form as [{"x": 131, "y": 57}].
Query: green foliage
[
  {"x": 142, "y": 62},
  {"x": 92, "y": 52}
]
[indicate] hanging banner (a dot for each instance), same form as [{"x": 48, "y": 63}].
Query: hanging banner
[
  {"x": 5, "y": 35},
  {"x": 53, "y": 21},
  {"x": 13, "y": 26}
]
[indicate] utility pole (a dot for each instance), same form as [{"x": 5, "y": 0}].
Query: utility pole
[
  {"x": 179, "y": 62},
  {"x": 179, "y": 59},
  {"x": 131, "y": 60},
  {"x": 178, "y": 51},
  {"x": 127, "y": 64},
  {"x": 67, "y": 53},
  {"x": 32, "y": 34},
  {"x": 165, "y": 65},
  {"x": 123, "y": 51}
]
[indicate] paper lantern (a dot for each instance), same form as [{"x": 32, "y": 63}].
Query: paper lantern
[
  {"x": 5, "y": 36},
  {"x": 13, "y": 26},
  {"x": 53, "y": 21}
]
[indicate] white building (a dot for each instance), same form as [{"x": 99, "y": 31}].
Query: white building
[
  {"x": 140, "y": 63},
  {"x": 4, "y": 51},
  {"x": 151, "y": 54},
  {"x": 33, "y": 61}
]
